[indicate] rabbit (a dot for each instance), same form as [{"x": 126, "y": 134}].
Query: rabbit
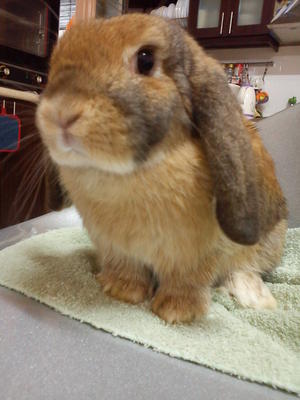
[{"x": 174, "y": 186}]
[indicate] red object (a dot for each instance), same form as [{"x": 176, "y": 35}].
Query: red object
[
  {"x": 262, "y": 97},
  {"x": 46, "y": 30},
  {"x": 240, "y": 71},
  {"x": 237, "y": 74},
  {"x": 70, "y": 23}
]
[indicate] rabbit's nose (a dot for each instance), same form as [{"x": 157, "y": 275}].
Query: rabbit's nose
[
  {"x": 68, "y": 139},
  {"x": 68, "y": 121},
  {"x": 67, "y": 142}
]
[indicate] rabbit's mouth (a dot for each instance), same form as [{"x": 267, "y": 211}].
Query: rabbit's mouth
[
  {"x": 68, "y": 151},
  {"x": 58, "y": 132},
  {"x": 66, "y": 143}
]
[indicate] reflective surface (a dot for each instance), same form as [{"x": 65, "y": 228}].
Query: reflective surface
[
  {"x": 54, "y": 220},
  {"x": 24, "y": 26},
  {"x": 250, "y": 12},
  {"x": 46, "y": 356},
  {"x": 208, "y": 14}
]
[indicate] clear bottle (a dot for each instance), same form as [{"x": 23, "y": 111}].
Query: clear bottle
[
  {"x": 245, "y": 76},
  {"x": 230, "y": 71}
]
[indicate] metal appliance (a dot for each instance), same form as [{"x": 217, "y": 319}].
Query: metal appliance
[{"x": 28, "y": 31}]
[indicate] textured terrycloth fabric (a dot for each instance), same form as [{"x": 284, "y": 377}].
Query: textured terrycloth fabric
[{"x": 57, "y": 268}]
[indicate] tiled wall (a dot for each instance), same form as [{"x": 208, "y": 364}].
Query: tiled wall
[{"x": 282, "y": 80}]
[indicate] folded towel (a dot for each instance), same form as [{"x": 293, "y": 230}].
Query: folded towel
[{"x": 57, "y": 268}]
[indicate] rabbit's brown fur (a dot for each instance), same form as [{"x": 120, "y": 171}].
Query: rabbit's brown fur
[{"x": 175, "y": 189}]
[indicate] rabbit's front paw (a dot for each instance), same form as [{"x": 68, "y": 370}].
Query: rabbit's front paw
[
  {"x": 131, "y": 289},
  {"x": 181, "y": 306}
]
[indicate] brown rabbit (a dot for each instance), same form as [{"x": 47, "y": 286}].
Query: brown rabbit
[{"x": 174, "y": 187}]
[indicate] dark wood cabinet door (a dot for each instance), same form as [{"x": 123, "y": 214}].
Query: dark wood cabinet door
[
  {"x": 233, "y": 23},
  {"x": 144, "y": 4},
  {"x": 21, "y": 172},
  {"x": 250, "y": 17},
  {"x": 208, "y": 18},
  {"x": 28, "y": 181}
]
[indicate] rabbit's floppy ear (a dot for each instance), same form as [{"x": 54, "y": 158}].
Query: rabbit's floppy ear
[
  {"x": 228, "y": 148},
  {"x": 239, "y": 188}
]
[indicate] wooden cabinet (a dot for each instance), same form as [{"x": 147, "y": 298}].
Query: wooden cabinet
[
  {"x": 223, "y": 23},
  {"x": 144, "y": 5},
  {"x": 231, "y": 23},
  {"x": 28, "y": 181},
  {"x": 250, "y": 17},
  {"x": 209, "y": 18}
]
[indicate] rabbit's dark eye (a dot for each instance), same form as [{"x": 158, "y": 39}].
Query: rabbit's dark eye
[{"x": 145, "y": 61}]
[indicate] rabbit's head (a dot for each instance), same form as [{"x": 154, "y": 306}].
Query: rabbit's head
[
  {"x": 111, "y": 100},
  {"x": 122, "y": 92}
]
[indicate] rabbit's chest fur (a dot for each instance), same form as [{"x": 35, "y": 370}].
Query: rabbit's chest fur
[{"x": 164, "y": 208}]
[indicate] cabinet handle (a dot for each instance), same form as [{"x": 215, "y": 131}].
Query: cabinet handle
[
  {"x": 230, "y": 24},
  {"x": 222, "y": 22}
]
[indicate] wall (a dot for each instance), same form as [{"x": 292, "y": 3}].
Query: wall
[{"x": 282, "y": 80}]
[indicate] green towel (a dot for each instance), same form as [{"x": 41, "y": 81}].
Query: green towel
[{"x": 57, "y": 268}]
